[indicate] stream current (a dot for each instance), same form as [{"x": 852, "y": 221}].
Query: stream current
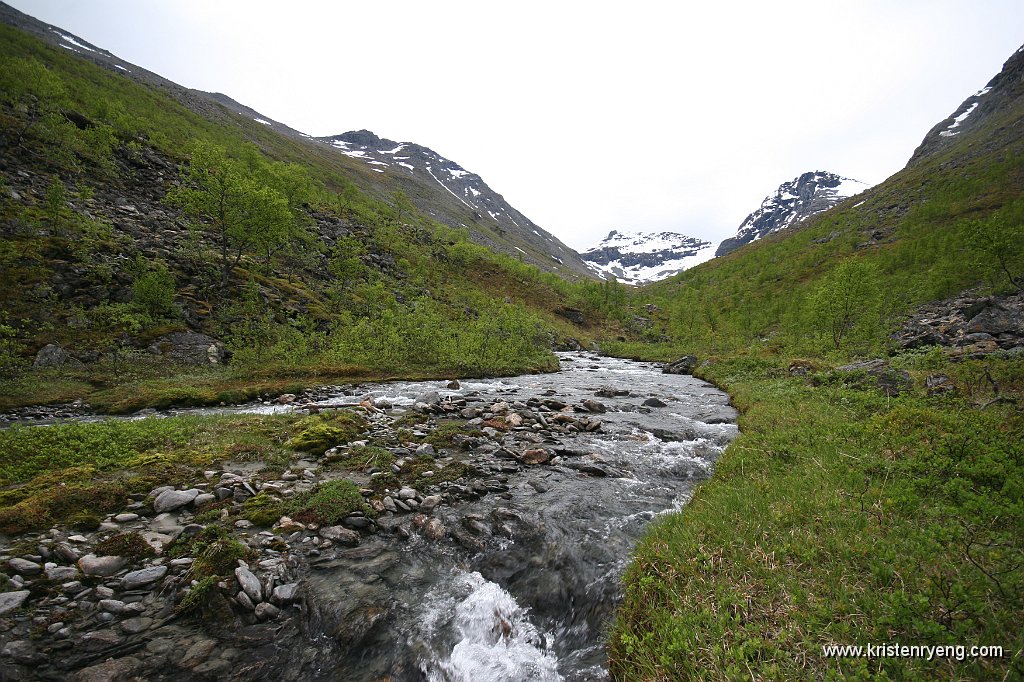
[{"x": 529, "y": 592}]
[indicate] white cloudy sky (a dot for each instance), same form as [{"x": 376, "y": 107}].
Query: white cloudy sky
[{"x": 588, "y": 116}]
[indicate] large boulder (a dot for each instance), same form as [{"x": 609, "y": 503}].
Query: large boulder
[
  {"x": 190, "y": 348},
  {"x": 52, "y": 355},
  {"x": 889, "y": 380},
  {"x": 683, "y": 365}
]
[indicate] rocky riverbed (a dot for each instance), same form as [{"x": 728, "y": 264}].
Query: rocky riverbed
[{"x": 494, "y": 556}]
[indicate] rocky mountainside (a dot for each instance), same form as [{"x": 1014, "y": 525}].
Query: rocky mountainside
[
  {"x": 455, "y": 196},
  {"x": 1006, "y": 88},
  {"x": 458, "y": 199},
  {"x": 794, "y": 201},
  {"x": 641, "y": 257}
]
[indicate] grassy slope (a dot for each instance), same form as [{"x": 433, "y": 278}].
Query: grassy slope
[
  {"x": 432, "y": 263},
  {"x": 840, "y": 515}
]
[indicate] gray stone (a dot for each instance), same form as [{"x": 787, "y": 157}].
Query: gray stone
[
  {"x": 98, "y": 640},
  {"x": 340, "y": 534},
  {"x": 654, "y": 402},
  {"x": 66, "y": 552},
  {"x": 684, "y": 365},
  {"x": 429, "y": 503},
  {"x": 114, "y": 606},
  {"x": 244, "y": 600},
  {"x": 9, "y": 601},
  {"x": 267, "y": 611},
  {"x": 137, "y": 579},
  {"x": 112, "y": 670},
  {"x": 135, "y": 625},
  {"x": 285, "y": 594},
  {"x": 190, "y": 348},
  {"x": 407, "y": 494},
  {"x": 25, "y": 567},
  {"x": 203, "y": 499},
  {"x": 102, "y": 566},
  {"x": 169, "y": 500},
  {"x": 429, "y": 398},
  {"x": 52, "y": 355},
  {"x": 250, "y": 584},
  {"x": 425, "y": 449},
  {"x": 126, "y": 518},
  {"x": 22, "y": 651},
  {"x": 62, "y": 573}
]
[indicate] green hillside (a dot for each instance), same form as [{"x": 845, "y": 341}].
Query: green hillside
[
  {"x": 126, "y": 216},
  {"x": 875, "y": 505}
]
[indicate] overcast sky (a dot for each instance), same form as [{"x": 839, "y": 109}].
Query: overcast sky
[{"x": 588, "y": 116}]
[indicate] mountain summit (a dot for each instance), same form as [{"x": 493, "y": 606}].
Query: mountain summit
[
  {"x": 794, "y": 201},
  {"x": 640, "y": 257},
  {"x": 460, "y": 198}
]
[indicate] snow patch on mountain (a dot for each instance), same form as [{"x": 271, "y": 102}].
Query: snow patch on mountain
[
  {"x": 793, "y": 201},
  {"x": 637, "y": 257}
]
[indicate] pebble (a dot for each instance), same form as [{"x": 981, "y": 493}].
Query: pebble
[
  {"x": 25, "y": 567},
  {"x": 249, "y": 583},
  {"x": 169, "y": 500},
  {"x": 126, "y": 518},
  {"x": 137, "y": 579},
  {"x": 9, "y": 601},
  {"x": 102, "y": 566}
]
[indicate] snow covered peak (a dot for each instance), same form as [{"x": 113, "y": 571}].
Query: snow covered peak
[
  {"x": 637, "y": 257},
  {"x": 794, "y": 201}
]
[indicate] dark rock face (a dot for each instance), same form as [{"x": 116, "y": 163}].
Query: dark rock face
[
  {"x": 972, "y": 325},
  {"x": 683, "y": 365},
  {"x": 1005, "y": 89},
  {"x": 574, "y": 315},
  {"x": 792, "y": 202},
  {"x": 190, "y": 348},
  {"x": 52, "y": 355}
]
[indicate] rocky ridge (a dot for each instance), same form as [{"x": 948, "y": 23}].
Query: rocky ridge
[{"x": 794, "y": 201}]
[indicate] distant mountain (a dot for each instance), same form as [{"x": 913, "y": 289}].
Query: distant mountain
[
  {"x": 641, "y": 257},
  {"x": 792, "y": 202},
  {"x": 458, "y": 197}
]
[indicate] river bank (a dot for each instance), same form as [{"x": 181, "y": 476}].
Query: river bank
[{"x": 489, "y": 524}]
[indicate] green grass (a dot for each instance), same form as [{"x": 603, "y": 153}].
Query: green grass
[{"x": 838, "y": 516}]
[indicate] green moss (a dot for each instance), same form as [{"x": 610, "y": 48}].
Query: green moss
[
  {"x": 199, "y": 595},
  {"x": 215, "y": 549},
  {"x": 362, "y": 457},
  {"x": 317, "y": 434},
  {"x": 129, "y": 545},
  {"x": 443, "y": 436},
  {"x": 263, "y": 509},
  {"x": 328, "y": 503}
]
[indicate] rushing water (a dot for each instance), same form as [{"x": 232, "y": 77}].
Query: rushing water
[
  {"x": 531, "y": 595},
  {"x": 525, "y": 581}
]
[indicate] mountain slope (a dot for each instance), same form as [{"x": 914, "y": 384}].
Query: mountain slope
[
  {"x": 488, "y": 218},
  {"x": 793, "y": 202},
  {"x": 459, "y": 198},
  {"x": 869, "y": 501},
  {"x": 643, "y": 257}
]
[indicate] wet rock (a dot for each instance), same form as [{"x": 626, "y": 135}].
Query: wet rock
[
  {"x": 169, "y": 500},
  {"x": 429, "y": 398},
  {"x": 655, "y": 402},
  {"x": 535, "y": 456},
  {"x": 135, "y": 625},
  {"x": 286, "y": 594},
  {"x": 98, "y": 640},
  {"x": 609, "y": 392},
  {"x": 429, "y": 503},
  {"x": 137, "y": 579},
  {"x": 66, "y": 552},
  {"x": 9, "y": 601},
  {"x": 594, "y": 406},
  {"x": 122, "y": 669},
  {"x": 243, "y": 599},
  {"x": 250, "y": 584},
  {"x": 454, "y": 385},
  {"x": 340, "y": 535},
  {"x": 267, "y": 611},
  {"x": 22, "y": 651},
  {"x": 684, "y": 365},
  {"x": 25, "y": 567},
  {"x": 102, "y": 566},
  {"x": 61, "y": 573}
]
